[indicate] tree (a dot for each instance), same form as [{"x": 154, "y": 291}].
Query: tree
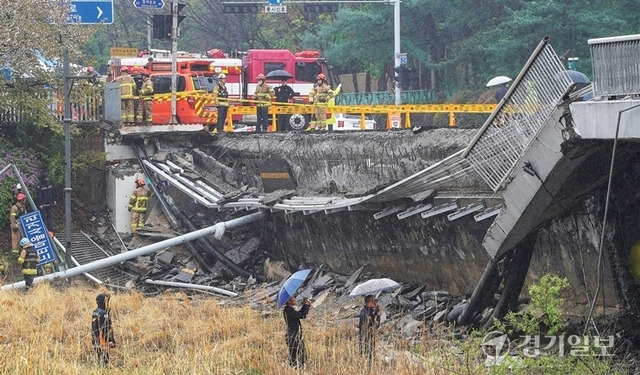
[{"x": 33, "y": 36}]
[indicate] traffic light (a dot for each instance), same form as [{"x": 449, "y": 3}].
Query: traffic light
[
  {"x": 321, "y": 8},
  {"x": 402, "y": 76},
  {"x": 160, "y": 30},
  {"x": 239, "y": 8},
  {"x": 162, "y": 24}
]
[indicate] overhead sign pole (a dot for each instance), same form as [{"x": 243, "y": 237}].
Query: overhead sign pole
[
  {"x": 85, "y": 13},
  {"x": 174, "y": 59}
]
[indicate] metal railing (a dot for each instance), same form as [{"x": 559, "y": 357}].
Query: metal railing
[
  {"x": 616, "y": 65},
  {"x": 86, "y": 108},
  {"x": 519, "y": 117},
  {"x": 387, "y": 97}
]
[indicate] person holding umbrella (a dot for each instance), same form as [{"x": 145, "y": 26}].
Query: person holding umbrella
[
  {"x": 295, "y": 342},
  {"x": 368, "y": 326},
  {"x": 284, "y": 93}
]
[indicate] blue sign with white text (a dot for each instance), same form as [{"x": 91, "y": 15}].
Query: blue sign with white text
[
  {"x": 155, "y": 4},
  {"x": 36, "y": 232},
  {"x": 90, "y": 12}
]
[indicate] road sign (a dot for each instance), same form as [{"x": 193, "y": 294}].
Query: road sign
[
  {"x": 90, "y": 12},
  {"x": 123, "y": 51},
  {"x": 36, "y": 232},
  {"x": 275, "y": 9},
  {"x": 276, "y": 2},
  {"x": 154, "y": 4}
]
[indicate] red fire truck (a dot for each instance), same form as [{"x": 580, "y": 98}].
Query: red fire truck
[
  {"x": 303, "y": 66},
  {"x": 241, "y": 79}
]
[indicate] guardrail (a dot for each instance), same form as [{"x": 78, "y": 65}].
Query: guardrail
[
  {"x": 389, "y": 110},
  {"x": 87, "y": 108}
]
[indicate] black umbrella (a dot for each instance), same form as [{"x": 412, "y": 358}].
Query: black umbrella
[
  {"x": 578, "y": 77},
  {"x": 279, "y": 75}
]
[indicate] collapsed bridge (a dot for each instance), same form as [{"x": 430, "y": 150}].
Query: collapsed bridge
[{"x": 474, "y": 212}]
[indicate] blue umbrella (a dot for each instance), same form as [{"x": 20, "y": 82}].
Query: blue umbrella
[{"x": 290, "y": 286}]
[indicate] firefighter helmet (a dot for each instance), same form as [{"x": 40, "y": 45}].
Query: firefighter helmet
[
  {"x": 20, "y": 197},
  {"x": 322, "y": 77},
  {"x": 260, "y": 76},
  {"x": 140, "y": 182},
  {"x": 24, "y": 241},
  {"x": 90, "y": 69},
  {"x": 222, "y": 76}
]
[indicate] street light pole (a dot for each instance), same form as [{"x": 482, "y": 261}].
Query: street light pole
[
  {"x": 174, "y": 59},
  {"x": 396, "y": 46},
  {"x": 67, "y": 156}
]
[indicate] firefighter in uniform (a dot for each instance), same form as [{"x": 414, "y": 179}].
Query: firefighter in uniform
[
  {"x": 17, "y": 210},
  {"x": 221, "y": 97},
  {"x": 127, "y": 91},
  {"x": 146, "y": 99},
  {"x": 138, "y": 205},
  {"x": 28, "y": 260},
  {"x": 263, "y": 95},
  {"x": 320, "y": 95},
  {"x": 102, "y": 329}
]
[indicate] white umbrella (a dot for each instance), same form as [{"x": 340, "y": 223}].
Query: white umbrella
[
  {"x": 374, "y": 286},
  {"x": 495, "y": 81}
]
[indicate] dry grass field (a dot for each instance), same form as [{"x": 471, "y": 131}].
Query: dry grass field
[{"x": 47, "y": 331}]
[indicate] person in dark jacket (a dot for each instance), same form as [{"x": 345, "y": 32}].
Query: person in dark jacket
[
  {"x": 102, "y": 329},
  {"x": 284, "y": 93},
  {"x": 368, "y": 327},
  {"x": 45, "y": 199},
  {"x": 295, "y": 342},
  {"x": 501, "y": 92}
]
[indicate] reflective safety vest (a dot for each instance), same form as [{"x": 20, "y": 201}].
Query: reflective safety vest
[
  {"x": 16, "y": 211},
  {"x": 139, "y": 199},
  {"x": 221, "y": 94},
  {"x": 321, "y": 94},
  {"x": 127, "y": 86},
  {"x": 263, "y": 94},
  {"x": 29, "y": 260},
  {"x": 147, "y": 90}
]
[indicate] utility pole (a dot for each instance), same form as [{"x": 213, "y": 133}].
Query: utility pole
[
  {"x": 174, "y": 59},
  {"x": 396, "y": 47},
  {"x": 67, "y": 157}
]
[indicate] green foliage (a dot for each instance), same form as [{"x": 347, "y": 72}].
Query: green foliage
[
  {"x": 546, "y": 303},
  {"x": 26, "y": 161},
  {"x": 546, "y": 298}
]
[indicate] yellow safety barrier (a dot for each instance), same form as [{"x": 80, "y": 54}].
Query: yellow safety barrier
[
  {"x": 294, "y": 108},
  {"x": 248, "y": 107}
]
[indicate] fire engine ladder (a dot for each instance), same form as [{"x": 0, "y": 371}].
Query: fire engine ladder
[{"x": 84, "y": 250}]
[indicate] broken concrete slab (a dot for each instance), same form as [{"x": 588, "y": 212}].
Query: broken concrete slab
[{"x": 185, "y": 275}]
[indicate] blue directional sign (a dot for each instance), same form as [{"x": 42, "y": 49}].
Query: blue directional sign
[
  {"x": 36, "y": 231},
  {"x": 90, "y": 12},
  {"x": 154, "y": 4},
  {"x": 275, "y": 2}
]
